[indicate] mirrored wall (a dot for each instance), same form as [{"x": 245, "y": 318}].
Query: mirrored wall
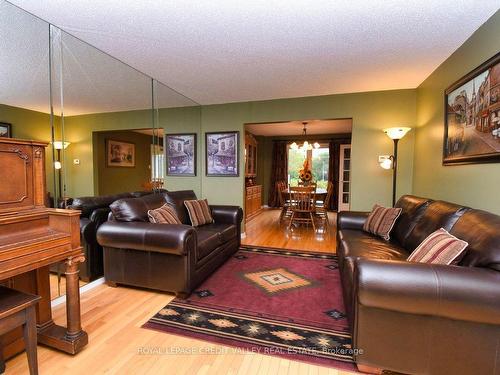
[{"x": 111, "y": 130}]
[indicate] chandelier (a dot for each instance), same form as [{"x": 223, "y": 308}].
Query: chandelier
[{"x": 306, "y": 145}]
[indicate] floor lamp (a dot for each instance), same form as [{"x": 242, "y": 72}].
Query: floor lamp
[{"x": 395, "y": 134}]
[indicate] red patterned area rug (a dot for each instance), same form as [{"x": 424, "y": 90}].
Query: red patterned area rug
[{"x": 271, "y": 301}]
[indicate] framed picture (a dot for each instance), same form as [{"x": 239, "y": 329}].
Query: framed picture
[
  {"x": 472, "y": 116},
  {"x": 120, "y": 154},
  {"x": 5, "y": 130},
  {"x": 181, "y": 154},
  {"x": 222, "y": 154}
]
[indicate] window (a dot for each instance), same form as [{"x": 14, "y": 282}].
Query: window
[{"x": 319, "y": 161}]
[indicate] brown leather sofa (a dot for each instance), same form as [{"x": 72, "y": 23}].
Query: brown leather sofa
[
  {"x": 416, "y": 318},
  {"x": 167, "y": 257}
]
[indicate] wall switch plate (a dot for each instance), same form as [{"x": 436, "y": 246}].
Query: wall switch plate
[{"x": 76, "y": 161}]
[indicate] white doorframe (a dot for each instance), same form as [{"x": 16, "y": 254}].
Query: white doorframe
[{"x": 345, "y": 178}]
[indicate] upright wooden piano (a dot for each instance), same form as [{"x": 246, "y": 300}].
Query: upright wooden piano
[{"x": 32, "y": 237}]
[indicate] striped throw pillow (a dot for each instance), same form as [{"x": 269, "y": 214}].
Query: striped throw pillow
[
  {"x": 381, "y": 220},
  {"x": 199, "y": 212},
  {"x": 163, "y": 215},
  {"x": 439, "y": 247}
]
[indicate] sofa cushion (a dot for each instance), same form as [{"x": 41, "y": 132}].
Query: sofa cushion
[
  {"x": 438, "y": 214},
  {"x": 412, "y": 210},
  {"x": 163, "y": 215},
  {"x": 89, "y": 204},
  {"x": 176, "y": 200},
  {"x": 355, "y": 243},
  {"x": 199, "y": 212},
  {"x": 481, "y": 230},
  {"x": 136, "y": 209},
  {"x": 439, "y": 247},
  {"x": 211, "y": 236},
  {"x": 381, "y": 221}
]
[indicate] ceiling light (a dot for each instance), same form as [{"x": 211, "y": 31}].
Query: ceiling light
[{"x": 306, "y": 146}]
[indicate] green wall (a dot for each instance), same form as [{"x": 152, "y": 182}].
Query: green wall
[
  {"x": 475, "y": 185},
  {"x": 114, "y": 180}
]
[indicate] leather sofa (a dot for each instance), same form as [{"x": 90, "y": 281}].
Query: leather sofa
[
  {"x": 94, "y": 212},
  {"x": 167, "y": 257},
  {"x": 417, "y": 318}
]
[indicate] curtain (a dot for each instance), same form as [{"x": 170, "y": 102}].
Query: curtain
[
  {"x": 279, "y": 171},
  {"x": 333, "y": 173}
]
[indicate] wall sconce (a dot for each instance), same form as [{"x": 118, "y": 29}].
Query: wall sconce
[{"x": 395, "y": 133}]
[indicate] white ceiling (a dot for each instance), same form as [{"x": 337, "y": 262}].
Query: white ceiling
[
  {"x": 227, "y": 51},
  {"x": 337, "y": 126}
]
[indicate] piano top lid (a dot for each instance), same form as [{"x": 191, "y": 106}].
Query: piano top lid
[{"x": 28, "y": 142}]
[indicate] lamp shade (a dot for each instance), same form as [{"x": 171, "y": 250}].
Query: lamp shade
[
  {"x": 396, "y": 132},
  {"x": 59, "y": 145}
]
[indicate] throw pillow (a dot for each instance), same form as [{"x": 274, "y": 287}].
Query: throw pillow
[
  {"x": 440, "y": 247},
  {"x": 199, "y": 212},
  {"x": 163, "y": 215},
  {"x": 381, "y": 221}
]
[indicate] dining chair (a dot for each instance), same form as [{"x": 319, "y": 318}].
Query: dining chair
[
  {"x": 284, "y": 202},
  {"x": 302, "y": 205},
  {"x": 322, "y": 208}
]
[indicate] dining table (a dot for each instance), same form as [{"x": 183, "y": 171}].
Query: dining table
[{"x": 320, "y": 194}]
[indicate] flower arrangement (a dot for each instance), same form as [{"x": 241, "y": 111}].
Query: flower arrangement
[{"x": 305, "y": 173}]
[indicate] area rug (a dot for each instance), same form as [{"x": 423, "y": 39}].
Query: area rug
[{"x": 271, "y": 301}]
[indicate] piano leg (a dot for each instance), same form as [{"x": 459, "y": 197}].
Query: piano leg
[{"x": 71, "y": 339}]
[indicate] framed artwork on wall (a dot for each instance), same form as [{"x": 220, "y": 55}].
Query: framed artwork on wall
[
  {"x": 181, "y": 154},
  {"x": 5, "y": 130},
  {"x": 472, "y": 116},
  {"x": 120, "y": 154},
  {"x": 221, "y": 154}
]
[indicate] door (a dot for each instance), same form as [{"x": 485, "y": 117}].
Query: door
[{"x": 345, "y": 178}]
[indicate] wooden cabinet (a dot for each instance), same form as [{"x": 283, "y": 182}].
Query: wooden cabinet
[
  {"x": 253, "y": 201},
  {"x": 250, "y": 155}
]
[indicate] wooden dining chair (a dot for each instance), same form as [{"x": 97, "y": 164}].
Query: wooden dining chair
[
  {"x": 322, "y": 208},
  {"x": 302, "y": 205},
  {"x": 284, "y": 202}
]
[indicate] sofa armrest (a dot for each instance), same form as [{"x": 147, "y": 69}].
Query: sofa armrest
[
  {"x": 100, "y": 216},
  {"x": 351, "y": 219},
  {"x": 460, "y": 293},
  {"x": 227, "y": 214},
  {"x": 175, "y": 239}
]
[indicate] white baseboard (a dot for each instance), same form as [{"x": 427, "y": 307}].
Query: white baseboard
[
  {"x": 60, "y": 300},
  {"x": 243, "y": 235},
  {"x": 265, "y": 206}
]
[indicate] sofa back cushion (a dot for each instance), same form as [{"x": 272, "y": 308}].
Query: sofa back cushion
[
  {"x": 481, "y": 230},
  {"x": 136, "y": 209},
  {"x": 438, "y": 214},
  {"x": 176, "y": 200},
  {"x": 412, "y": 209},
  {"x": 89, "y": 204}
]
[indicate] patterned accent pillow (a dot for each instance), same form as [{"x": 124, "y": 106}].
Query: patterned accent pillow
[
  {"x": 381, "y": 221},
  {"x": 439, "y": 247},
  {"x": 199, "y": 212},
  {"x": 163, "y": 215}
]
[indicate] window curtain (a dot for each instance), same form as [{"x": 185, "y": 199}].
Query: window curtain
[
  {"x": 279, "y": 171},
  {"x": 333, "y": 173}
]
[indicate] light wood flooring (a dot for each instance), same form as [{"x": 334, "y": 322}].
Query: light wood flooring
[
  {"x": 265, "y": 230},
  {"x": 113, "y": 317}
]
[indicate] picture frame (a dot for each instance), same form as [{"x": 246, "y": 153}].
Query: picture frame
[
  {"x": 5, "y": 130},
  {"x": 181, "y": 154},
  {"x": 222, "y": 154},
  {"x": 120, "y": 154},
  {"x": 472, "y": 116}
]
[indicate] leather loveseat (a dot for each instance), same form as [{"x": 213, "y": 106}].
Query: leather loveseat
[
  {"x": 167, "y": 257},
  {"x": 417, "y": 318},
  {"x": 94, "y": 212}
]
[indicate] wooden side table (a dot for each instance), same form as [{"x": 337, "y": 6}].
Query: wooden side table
[{"x": 18, "y": 309}]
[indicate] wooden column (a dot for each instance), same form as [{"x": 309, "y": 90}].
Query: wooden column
[{"x": 74, "y": 325}]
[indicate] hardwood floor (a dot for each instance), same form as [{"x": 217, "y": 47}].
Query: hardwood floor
[
  {"x": 118, "y": 345},
  {"x": 265, "y": 230}
]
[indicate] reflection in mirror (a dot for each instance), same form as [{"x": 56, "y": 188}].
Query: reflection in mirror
[{"x": 180, "y": 119}]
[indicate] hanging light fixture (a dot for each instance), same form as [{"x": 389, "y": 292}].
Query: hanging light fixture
[{"x": 306, "y": 145}]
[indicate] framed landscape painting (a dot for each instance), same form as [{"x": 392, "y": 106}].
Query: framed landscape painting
[
  {"x": 222, "y": 154},
  {"x": 120, "y": 154},
  {"x": 472, "y": 116},
  {"x": 5, "y": 130},
  {"x": 181, "y": 154}
]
